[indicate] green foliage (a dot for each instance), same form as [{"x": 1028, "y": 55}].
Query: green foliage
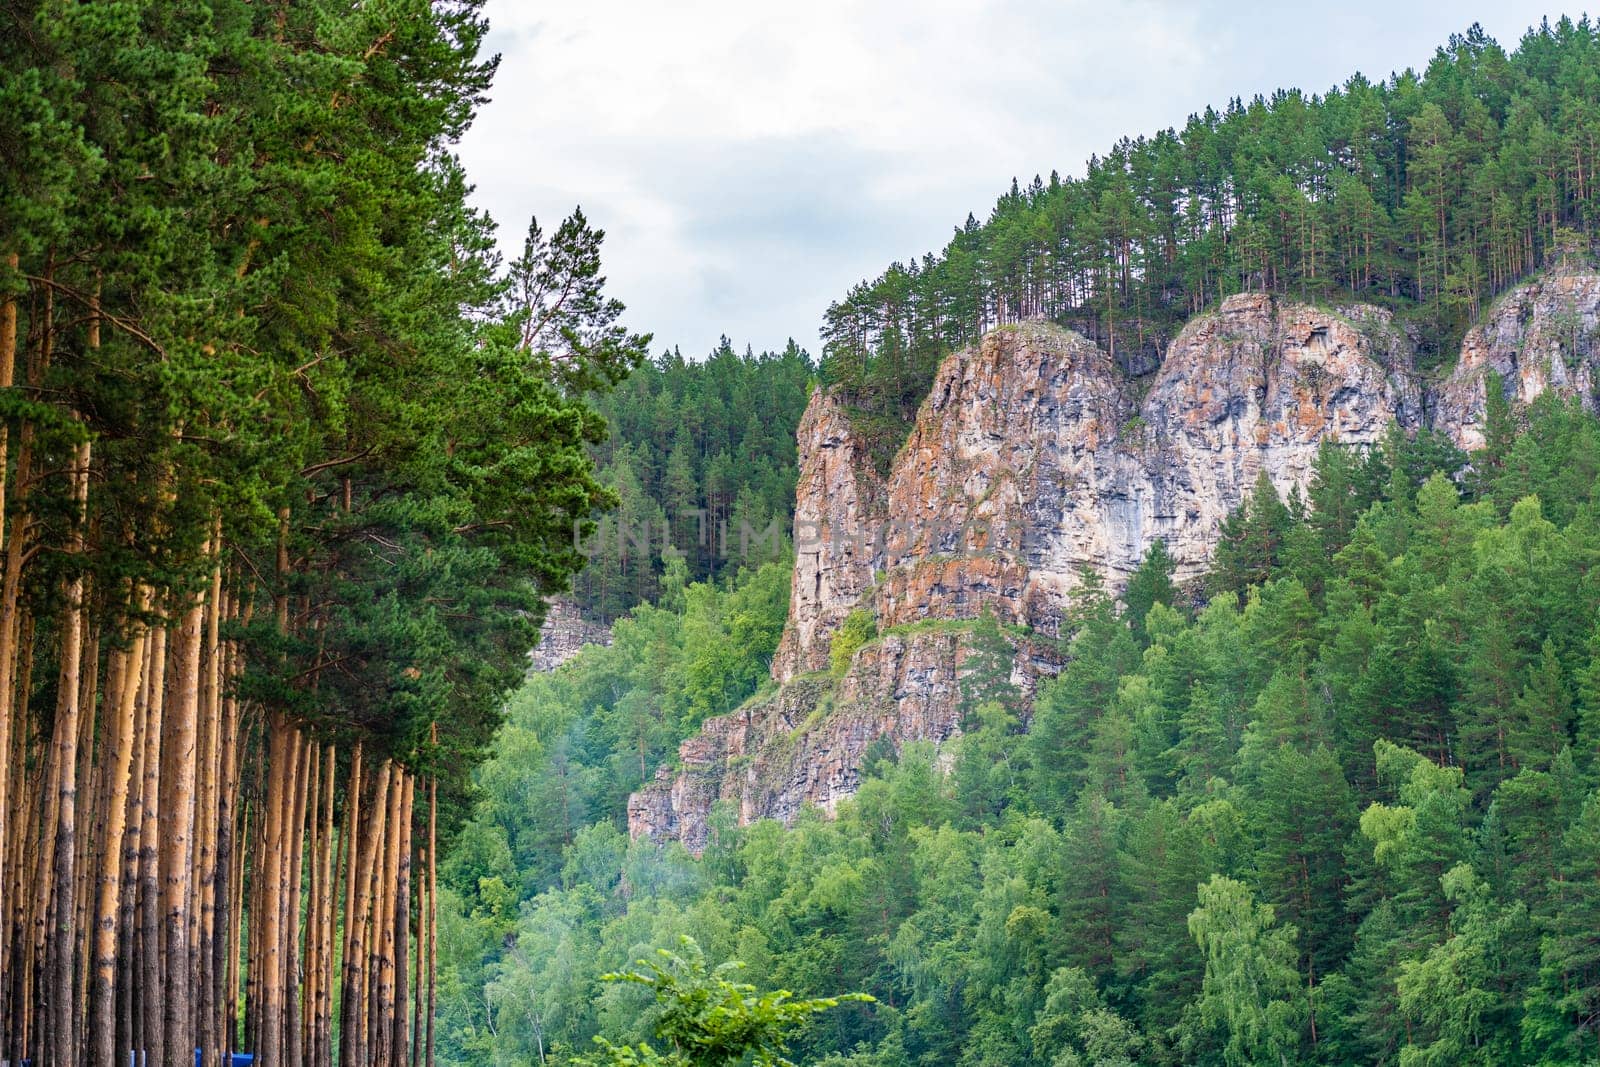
[
  {"x": 248, "y": 272},
  {"x": 1253, "y": 540},
  {"x": 705, "y": 1020},
  {"x": 578, "y": 740},
  {"x": 1150, "y": 585},
  {"x": 859, "y": 627},
  {"x": 1373, "y": 763},
  {"x": 701, "y": 454},
  {"x": 1251, "y": 990}
]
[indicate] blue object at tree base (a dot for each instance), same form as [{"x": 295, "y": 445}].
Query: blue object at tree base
[{"x": 235, "y": 1059}]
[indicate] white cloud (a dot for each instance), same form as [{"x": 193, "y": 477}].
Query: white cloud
[{"x": 749, "y": 161}]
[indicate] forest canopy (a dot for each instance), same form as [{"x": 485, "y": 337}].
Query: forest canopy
[
  {"x": 701, "y": 456},
  {"x": 1336, "y": 804}
]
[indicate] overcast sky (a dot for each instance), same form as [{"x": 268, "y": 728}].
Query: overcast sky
[{"x": 749, "y": 161}]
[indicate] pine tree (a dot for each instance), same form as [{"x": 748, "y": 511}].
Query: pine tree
[
  {"x": 1251, "y": 540},
  {"x": 1151, "y": 584}
]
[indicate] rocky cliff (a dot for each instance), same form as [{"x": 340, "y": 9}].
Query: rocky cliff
[
  {"x": 1539, "y": 336},
  {"x": 564, "y": 634},
  {"x": 838, "y": 521},
  {"x": 1035, "y": 458}
]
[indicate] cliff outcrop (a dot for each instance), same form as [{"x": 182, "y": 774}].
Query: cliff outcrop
[
  {"x": 838, "y": 515},
  {"x": 1035, "y": 458},
  {"x": 805, "y": 743},
  {"x": 1540, "y": 336},
  {"x": 564, "y": 634}
]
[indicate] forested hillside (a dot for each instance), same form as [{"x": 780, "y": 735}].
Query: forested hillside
[
  {"x": 1375, "y": 750},
  {"x": 1428, "y": 192},
  {"x": 697, "y": 452},
  {"x": 1338, "y": 802},
  {"x": 289, "y": 460}
]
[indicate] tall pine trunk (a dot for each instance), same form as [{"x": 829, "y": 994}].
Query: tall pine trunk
[
  {"x": 433, "y": 902},
  {"x": 8, "y": 364},
  {"x": 63, "y": 1016},
  {"x": 204, "y": 884},
  {"x": 401, "y": 891},
  {"x": 266, "y": 921},
  {"x": 356, "y": 1004},
  {"x": 121, "y": 740},
  {"x": 178, "y": 772},
  {"x": 150, "y": 971},
  {"x": 294, "y": 1049}
]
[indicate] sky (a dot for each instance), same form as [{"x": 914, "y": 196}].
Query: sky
[{"x": 750, "y": 161}]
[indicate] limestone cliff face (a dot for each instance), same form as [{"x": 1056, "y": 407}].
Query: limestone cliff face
[
  {"x": 1034, "y": 457},
  {"x": 1540, "y": 336},
  {"x": 805, "y": 743},
  {"x": 1255, "y": 386},
  {"x": 838, "y": 512}
]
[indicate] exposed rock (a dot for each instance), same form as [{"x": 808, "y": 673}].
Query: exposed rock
[
  {"x": 1014, "y": 434},
  {"x": 804, "y": 744},
  {"x": 838, "y": 520},
  {"x": 1539, "y": 336},
  {"x": 1032, "y": 459},
  {"x": 1254, "y": 387},
  {"x": 1035, "y": 456},
  {"x": 564, "y": 634}
]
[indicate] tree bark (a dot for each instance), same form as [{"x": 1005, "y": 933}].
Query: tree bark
[
  {"x": 127, "y": 910},
  {"x": 8, "y": 363},
  {"x": 207, "y": 807},
  {"x": 229, "y": 858},
  {"x": 322, "y": 1027},
  {"x": 294, "y": 1049},
  {"x": 402, "y": 924},
  {"x": 63, "y": 1017},
  {"x": 120, "y": 742},
  {"x": 433, "y": 900},
  {"x": 178, "y": 774},
  {"x": 151, "y": 977},
  {"x": 13, "y": 740},
  {"x": 383, "y": 1029},
  {"x": 313, "y": 923},
  {"x": 266, "y": 920},
  {"x": 353, "y": 1014},
  {"x": 348, "y": 953}
]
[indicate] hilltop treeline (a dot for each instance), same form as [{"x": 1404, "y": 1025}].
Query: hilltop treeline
[
  {"x": 1427, "y": 192},
  {"x": 698, "y": 450},
  {"x": 288, "y": 459}
]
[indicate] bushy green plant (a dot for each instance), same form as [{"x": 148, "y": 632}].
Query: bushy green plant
[
  {"x": 707, "y": 1020},
  {"x": 858, "y": 628}
]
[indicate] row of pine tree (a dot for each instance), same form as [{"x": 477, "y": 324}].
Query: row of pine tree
[
  {"x": 288, "y": 459},
  {"x": 702, "y": 458}
]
